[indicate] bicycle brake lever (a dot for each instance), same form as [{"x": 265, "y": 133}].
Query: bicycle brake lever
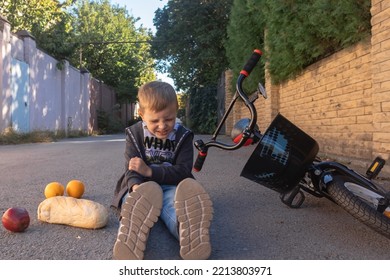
[{"x": 261, "y": 90}]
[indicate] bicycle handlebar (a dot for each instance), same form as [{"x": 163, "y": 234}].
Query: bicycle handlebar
[
  {"x": 203, "y": 147},
  {"x": 199, "y": 161},
  {"x": 251, "y": 63}
]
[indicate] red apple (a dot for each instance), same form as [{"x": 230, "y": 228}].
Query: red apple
[{"x": 16, "y": 219}]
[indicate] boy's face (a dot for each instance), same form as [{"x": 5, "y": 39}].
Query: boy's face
[{"x": 160, "y": 123}]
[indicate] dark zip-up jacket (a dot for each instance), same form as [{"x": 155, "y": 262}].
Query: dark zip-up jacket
[{"x": 163, "y": 175}]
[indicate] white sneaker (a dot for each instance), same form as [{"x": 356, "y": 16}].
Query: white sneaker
[
  {"x": 138, "y": 215},
  {"x": 194, "y": 211}
]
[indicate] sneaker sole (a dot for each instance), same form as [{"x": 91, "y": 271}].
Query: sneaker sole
[
  {"x": 139, "y": 213},
  {"x": 194, "y": 213}
]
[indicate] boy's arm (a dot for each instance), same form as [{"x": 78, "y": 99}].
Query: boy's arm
[
  {"x": 173, "y": 175},
  {"x": 132, "y": 177}
]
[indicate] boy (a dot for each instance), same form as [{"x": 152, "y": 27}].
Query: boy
[{"x": 158, "y": 181}]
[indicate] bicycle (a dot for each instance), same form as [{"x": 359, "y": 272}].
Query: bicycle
[{"x": 286, "y": 160}]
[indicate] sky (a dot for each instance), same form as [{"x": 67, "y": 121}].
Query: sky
[{"x": 145, "y": 11}]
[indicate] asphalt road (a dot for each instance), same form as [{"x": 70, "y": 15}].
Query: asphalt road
[{"x": 250, "y": 222}]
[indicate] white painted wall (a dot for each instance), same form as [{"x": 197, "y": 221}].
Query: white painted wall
[{"x": 58, "y": 99}]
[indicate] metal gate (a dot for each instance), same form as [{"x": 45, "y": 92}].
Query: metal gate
[
  {"x": 221, "y": 97},
  {"x": 20, "y": 118}
]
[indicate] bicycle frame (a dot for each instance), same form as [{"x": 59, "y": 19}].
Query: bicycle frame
[
  {"x": 203, "y": 147},
  {"x": 317, "y": 172},
  {"x": 285, "y": 160}
]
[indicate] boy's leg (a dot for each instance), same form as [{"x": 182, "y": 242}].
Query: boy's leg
[
  {"x": 168, "y": 212},
  {"x": 139, "y": 212},
  {"x": 194, "y": 212}
]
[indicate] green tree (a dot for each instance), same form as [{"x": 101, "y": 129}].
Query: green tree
[
  {"x": 93, "y": 34},
  {"x": 190, "y": 37},
  {"x": 111, "y": 47},
  {"x": 301, "y": 32},
  {"x": 245, "y": 33},
  {"x": 47, "y": 20},
  {"x": 189, "y": 45},
  {"x": 33, "y": 16}
]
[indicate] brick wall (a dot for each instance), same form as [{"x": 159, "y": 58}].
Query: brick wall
[
  {"x": 343, "y": 101},
  {"x": 380, "y": 52},
  {"x": 332, "y": 101}
]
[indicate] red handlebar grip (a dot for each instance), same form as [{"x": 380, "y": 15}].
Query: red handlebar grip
[
  {"x": 251, "y": 63},
  {"x": 199, "y": 161}
]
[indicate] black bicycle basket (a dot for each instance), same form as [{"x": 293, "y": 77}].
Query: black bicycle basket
[{"x": 282, "y": 156}]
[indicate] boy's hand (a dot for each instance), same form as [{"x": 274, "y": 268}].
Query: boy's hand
[
  {"x": 135, "y": 187},
  {"x": 138, "y": 165}
]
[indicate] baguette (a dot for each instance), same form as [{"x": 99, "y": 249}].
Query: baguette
[{"x": 73, "y": 212}]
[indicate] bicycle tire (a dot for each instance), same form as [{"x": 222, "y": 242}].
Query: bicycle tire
[{"x": 359, "y": 202}]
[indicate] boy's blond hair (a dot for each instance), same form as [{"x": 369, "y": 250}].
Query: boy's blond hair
[{"x": 156, "y": 96}]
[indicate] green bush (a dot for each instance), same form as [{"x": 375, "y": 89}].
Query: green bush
[
  {"x": 302, "y": 32},
  {"x": 245, "y": 33},
  {"x": 10, "y": 136},
  {"x": 298, "y": 32},
  {"x": 203, "y": 111},
  {"x": 108, "y": 123}
]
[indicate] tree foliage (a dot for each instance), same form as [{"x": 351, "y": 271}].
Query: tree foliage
[
  {"x": 190, "y": 37},
  {"x": 203, "y": 110},
  {"x": 94, "y": 35},
  {"x": 301, "y": 32},
  {"x": 189, "y": 45},
  {"x": 245, "y": 33},
  {"x": 46, "y": 20},
  {"x": 298, "y": 32},
  {"x": 33, "y": 15},
  {"x": 111, "y": 47}
]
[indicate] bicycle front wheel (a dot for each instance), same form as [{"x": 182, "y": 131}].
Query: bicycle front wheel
[{"x": 360, "y": 202}]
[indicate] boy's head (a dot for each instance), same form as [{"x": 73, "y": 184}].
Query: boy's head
[
  {"x": 158, "y": 107},
  {"x": 156, "y": 96}
]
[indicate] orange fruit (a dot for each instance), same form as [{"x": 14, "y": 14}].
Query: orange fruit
[
  {"x": 75, "y": 188},
  {"x": 54, "y": 189}
]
